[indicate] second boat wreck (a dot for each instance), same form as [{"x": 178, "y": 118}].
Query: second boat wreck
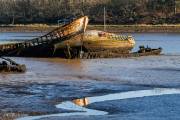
[{"x": 73, "y": 41}]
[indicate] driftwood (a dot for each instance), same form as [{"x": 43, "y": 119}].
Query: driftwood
[{"x": 8, "y": 65}]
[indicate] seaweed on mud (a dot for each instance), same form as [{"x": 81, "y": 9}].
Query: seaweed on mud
[{"x": 11, "y": 116}]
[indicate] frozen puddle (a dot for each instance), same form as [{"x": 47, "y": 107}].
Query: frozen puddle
[{"x": 78, "y": 105}]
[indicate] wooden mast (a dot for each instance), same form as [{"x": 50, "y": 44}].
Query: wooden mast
[{"x": 104, "y": 18}]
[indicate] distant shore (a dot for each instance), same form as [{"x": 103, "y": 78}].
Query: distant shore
[
  {"x": 109, "y": 28},
  {"x": 137, "y": 28}
]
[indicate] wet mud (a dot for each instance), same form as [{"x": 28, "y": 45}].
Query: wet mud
[
  {"x": 49, "y": 82},
  {"x": 79, "y": 105}
]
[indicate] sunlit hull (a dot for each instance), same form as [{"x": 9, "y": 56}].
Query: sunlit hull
[{"x": 99, "y": 40}]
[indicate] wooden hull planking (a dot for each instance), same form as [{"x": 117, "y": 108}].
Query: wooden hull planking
[{"x": 99, "y": 40}]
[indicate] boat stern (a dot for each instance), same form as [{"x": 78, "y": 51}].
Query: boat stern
[{"x": 131, "y": 40}]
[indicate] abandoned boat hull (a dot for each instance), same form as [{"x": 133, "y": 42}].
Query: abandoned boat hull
[
  {"x": 71, "y": 41},
  {"x": 45, "y": 46},
  {"x": 99, "y": 40}
]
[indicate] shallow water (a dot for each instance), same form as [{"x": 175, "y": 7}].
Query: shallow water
[
  {"x": 19, "y": 35},
  {"x": 10, "y": 37},
  {"x": 168, "y": 41},
  {"x": 117, "y": 96},
  {"x": 50, "y": 81}
]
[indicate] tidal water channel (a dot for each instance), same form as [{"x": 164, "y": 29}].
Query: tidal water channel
[{"x": 121, "y": 88}]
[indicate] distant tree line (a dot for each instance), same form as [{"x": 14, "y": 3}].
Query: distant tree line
[{"x": 117, "y": 11}]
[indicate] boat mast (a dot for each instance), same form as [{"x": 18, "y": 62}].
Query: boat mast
[
  {"x": 104, "y": 18},
  {"x": 175, "y": 9}
]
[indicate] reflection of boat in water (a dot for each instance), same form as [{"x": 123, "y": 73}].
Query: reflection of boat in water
[
  {"x": 81, "y": 102},
  {"x": 45, "y": 46}
]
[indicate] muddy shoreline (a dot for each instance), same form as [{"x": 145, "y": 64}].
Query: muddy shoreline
[
  {"x": 110, "y": 28},
  {"x": 49, "y": 82}
]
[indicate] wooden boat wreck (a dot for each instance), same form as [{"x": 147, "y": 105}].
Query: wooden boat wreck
[
  {"x": 46, "y": 46},
  {"x": 73, "y": 41},
  {"x": 144, "y": 51},
  {"x": 99, "y": 44},
  {"x": 101, "y": 41}
]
